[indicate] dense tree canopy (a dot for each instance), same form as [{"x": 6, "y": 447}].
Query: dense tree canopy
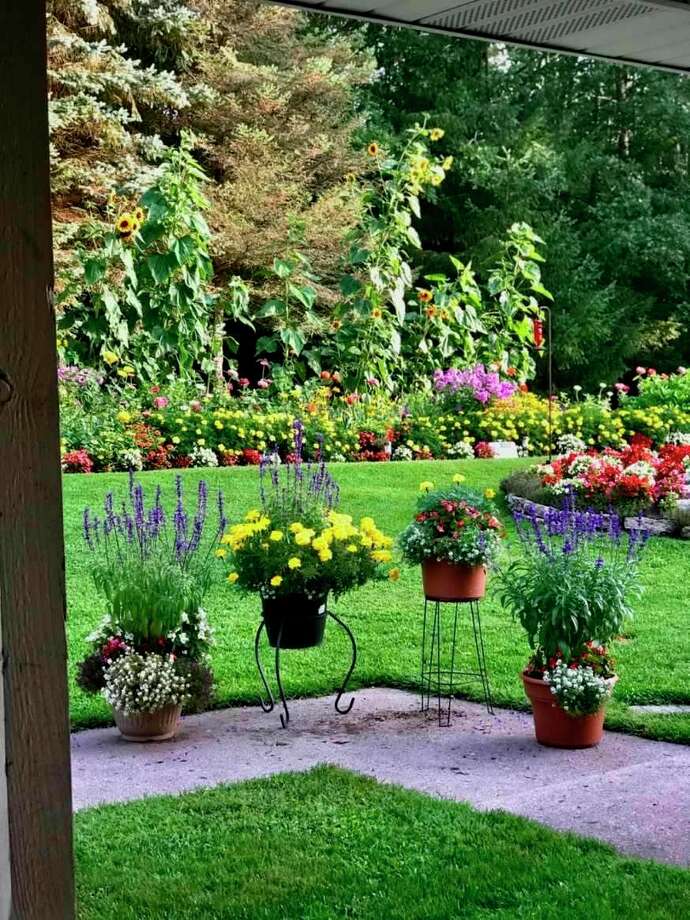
[{"x": 277, "y": 108}]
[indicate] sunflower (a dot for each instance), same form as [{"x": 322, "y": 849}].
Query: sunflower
[
  {"x": 125, "y": 224},
  {"x": 436, "y": 134},
  {"x": 425, "y": 296},
  {"x": 139, "y": 215},
  {"x": 376, "y": 313},
  {"x": 373, "y": 149}
]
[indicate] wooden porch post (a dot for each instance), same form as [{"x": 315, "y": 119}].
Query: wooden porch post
[{"x": 36, "y": 879}]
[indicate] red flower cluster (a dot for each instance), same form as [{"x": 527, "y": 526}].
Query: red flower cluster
[
  {"x": 454, "y": 516},
  {"x": 483, "y": 450},
  {"x": 251, "y": 457},
  {"x": 77, "y": 461},
  {"x": 635, "y": 473}
]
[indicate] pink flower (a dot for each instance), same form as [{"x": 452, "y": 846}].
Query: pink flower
[
  {"x": 195, "y": 405},
  {"x": 682, "y": 370},
  {"x": 372, "y": 382},
  {"x": 264, "y": 383},
  {"x": 651, "y": 372},
  {"x": 243, "y": 382},
  {"x": 161, "y": 402},
  {"x": 640, "y": 371},
  {"x": 622, "y": 387}
]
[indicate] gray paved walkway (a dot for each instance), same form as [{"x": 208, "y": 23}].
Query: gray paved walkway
[{"x": 630, "y": 792}]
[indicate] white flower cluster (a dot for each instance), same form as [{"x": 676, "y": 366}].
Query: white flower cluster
[
  {"x": 642, "y": 469},
  {"x": 402, "y": 453},
  {"x": 579, "y": 691},
  {"x": 144, "y": 683},
  {"x": 203, "y": 456},
  {"x": 193, "y": 627},
  {"x": 679, "y": 438},
  {"x": 130, "y": 459},
  {"x": 569, "y": 444},
  {"x": 461, "y": 450}
]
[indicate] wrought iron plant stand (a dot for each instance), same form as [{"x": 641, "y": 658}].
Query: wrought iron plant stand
[
  {"x": 276, "y": 632},
  {"x": 441, "y": 675}
]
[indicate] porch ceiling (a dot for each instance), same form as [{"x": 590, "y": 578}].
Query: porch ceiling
[{"x": 654, "y": 33}]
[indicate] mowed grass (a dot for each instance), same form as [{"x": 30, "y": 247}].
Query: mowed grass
[
  {"x": 653, "y": 660},
  {"x": 330, "y": 844}
]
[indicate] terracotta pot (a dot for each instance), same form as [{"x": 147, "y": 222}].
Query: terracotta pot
[
  {"x": 303, "y": 620},
  {"x": 448, "y": 581},
  {"x": 149, "y": 726},
  {"x": 553, "y": 726}
]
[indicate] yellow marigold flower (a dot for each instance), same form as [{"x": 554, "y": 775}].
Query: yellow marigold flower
[
  {"x": 294, "y": 562},
  {"x": 123, "y": 417},
  {"x": 458, "y": 478},
  {"x": 252, "y": 515},
  {"x": 489, "y": 493},
  {"x": 110, "y": 357},
  {"x": 351, "y": 548},
  {"x": 447, "y": 163},
  {"x": 296, "y": 527},
  {"x": 225, "y": 539},
  {"x": 436, "y": 134},
  {"x": 373, "y": 149},
  {"x": 426, "y": 486},
  {"x": 232, "y": 577},
  {"x": 276, "y": 536},
  {"x": 325, "y": 555},
  {"x": 304, "y": 537},
  {"x": 276, "y": 581},
  {"x": 219, "y": 425},
  {"x": 394, "y": 574},
  {"x": 126, "y": 371},
  {"x": 367, "y": 524},
  {"x": 382, "y": 555},
  {"x": 221, "y": 553}
]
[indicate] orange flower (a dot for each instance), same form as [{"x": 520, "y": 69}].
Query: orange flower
[
  {"x": 424, "y": 296},
  {"x": 312, "y": 408},
  {"x": 430, "y": 312},
  {"x": 373, "y": 149}
]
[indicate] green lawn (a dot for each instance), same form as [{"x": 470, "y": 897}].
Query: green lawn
[
  {"x": 654, "y": 660},
  {"x": 329, "y": 844}
]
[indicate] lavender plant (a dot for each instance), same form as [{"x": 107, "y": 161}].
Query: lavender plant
[
  {"x": 572, "y": 588},
  {"x": 152, "y": 568}
]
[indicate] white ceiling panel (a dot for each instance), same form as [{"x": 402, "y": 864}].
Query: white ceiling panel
[{"x": 651, "y": 32}]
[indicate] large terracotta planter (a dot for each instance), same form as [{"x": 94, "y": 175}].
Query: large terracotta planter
[
  {"x": 553, "y": 726},
  {"x": 447, "y": 581},
  {"x": 302, "y": 619},
  {"x": 161, "y": 725}
]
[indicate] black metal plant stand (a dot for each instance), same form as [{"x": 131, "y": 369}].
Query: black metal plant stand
[
  {"x": 285, "y": 714},
  {"x": 440, "y": 674}
]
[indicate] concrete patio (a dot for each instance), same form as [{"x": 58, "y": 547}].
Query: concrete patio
[{"x": 630, "y": 792}]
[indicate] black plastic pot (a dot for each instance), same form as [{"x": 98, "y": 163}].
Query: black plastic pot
[{"x": 303, "y": 620}]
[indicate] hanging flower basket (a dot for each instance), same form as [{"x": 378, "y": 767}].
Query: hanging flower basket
[
  {"x": 448, "y": 581},
  {"x": 553, "y": 726},
  {"x": 161, "y": 725},
  {"x": 302, "y": 619}
]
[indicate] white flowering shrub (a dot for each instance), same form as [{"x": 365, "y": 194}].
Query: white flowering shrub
[
  {"x": 578, "y": 691},
  {"x": 679, "y": 438},
  {"x": 144, "y": 683},
  {"x": 461, "y": 450},
  {"x": 569, "y": 444},
  {"x": 203, "y": 456},
  {"x": 130, "y": 459},
  {"x": 402, "y": 453}
]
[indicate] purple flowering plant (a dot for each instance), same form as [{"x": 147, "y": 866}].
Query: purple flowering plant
[
  {"x": 573, "y": 584},
  {"x": 152, "y": 565},
  {"x": 465, "y": 388}
]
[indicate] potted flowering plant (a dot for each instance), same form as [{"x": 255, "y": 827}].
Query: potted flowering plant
[
  {"x": 149, "y": 655},
  {"x": 296, "y": 549},
  {"x": 571, "y": 590},
  {"x": 455, "y": 536}
]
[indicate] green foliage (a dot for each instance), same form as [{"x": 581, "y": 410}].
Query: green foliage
[
  {"x": 668, "y": 391},
  {"x": 141, "y": 297}
]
